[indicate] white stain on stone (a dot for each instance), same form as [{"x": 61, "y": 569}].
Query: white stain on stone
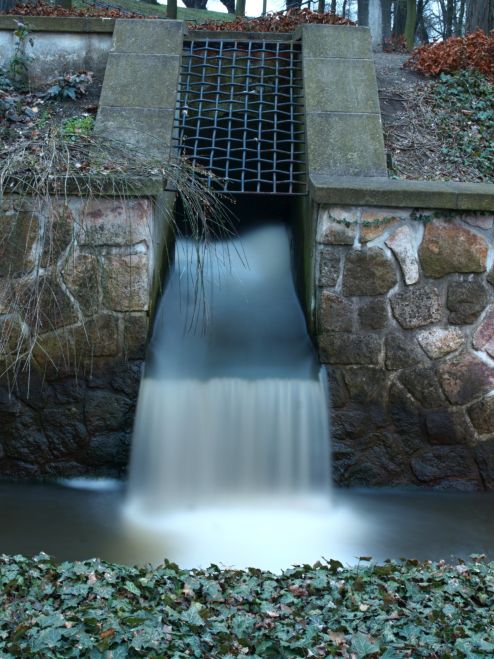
[{"x": 402, "y": 244}]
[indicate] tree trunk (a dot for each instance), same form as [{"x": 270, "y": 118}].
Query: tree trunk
[
  {"x": 480, "y": 14},
  {"x": 230, "y": 5},
  {"x": 333, "y": 6},
  {"x": 422, "y": 33},
  {"x": 386, "y": 7},
  {"x": 363, "y": 12},
  {"x": 461, "y": 19},
  {"x": 410, "y": 23},
  {"x": 400, "y": 18}
]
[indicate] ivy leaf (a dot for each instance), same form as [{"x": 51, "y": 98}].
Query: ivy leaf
[{"x": 363, "y": 645}]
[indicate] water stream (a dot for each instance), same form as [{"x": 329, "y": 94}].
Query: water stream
[{"x": 231, "y": 437}]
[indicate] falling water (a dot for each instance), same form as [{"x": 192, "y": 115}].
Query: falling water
[{"x": 231, "y": 431}]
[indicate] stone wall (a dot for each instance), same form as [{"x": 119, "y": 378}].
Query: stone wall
[
  {"x": 77, "y": 280},
  {"x": 405, "y": 321}
]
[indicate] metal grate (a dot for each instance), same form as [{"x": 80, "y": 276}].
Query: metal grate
[{"x": 240, "y": 114}]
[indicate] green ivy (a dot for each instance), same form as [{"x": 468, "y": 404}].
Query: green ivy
[
  {"x": 465, "y": 105},
  {"x": 98, "y": 610}
]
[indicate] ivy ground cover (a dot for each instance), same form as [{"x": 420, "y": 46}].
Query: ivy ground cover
[{"x": 95, "y": 609}]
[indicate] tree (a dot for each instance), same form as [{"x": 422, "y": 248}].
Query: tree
[
  {"x": 195, "y": 4},
  {"x": 479, "y": 14},
  {"x": 230, "y": 5},
  {"x": 410, "y": 23}
]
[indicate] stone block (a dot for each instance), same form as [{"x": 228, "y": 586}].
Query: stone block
[
  {"x": 366, "y": 384},
  {"x": 422, "y": 383},
  {"x": 482, "y": 416},
  {"x": 12, "y": 338},
  {"x": 337, "y": 225},
  {"x": 338, "y": 392},
  {"x": 140, "y": 81},
  {"x": 81, "y": 274},
  {"x": 340, "y": 41},
  {"x": 466, "y": 300},
  {"x": 58, "y": 234},
  {"x": 97, "y": 338},
  {"x": 136, "y": 327},
  {"x": 406, "y": 417},
  {"x": 112, "y": 449},
  {"x": 345, "y": 144},
  {"x": 438, "y": 342},
  {"x": 356, "y": 349},
  {"x": 371, "y": 231},
  {"x": 148, "y": 131},
  {"x": 368, "y": 272},
  {"x": 115, "y": 222},
  {"x": 54, "y": 353},
  {"x": 329, "y": 267},
  {"x": 342, "y": 85},
  {"x": 490, "y": 276},
  {"x": 18, "y": 234},
  {"x": 335, "y": 313},
  {"x": 445, "y": 463},
  {"x": 447, "y": 247},
  {"x": 402, "y": 244},
  {"x": 484, "y": 336},
  {"x": 106, "y": 411},
  {"x": 484, "y": 455},
  {"x": 445, "y": 427},
  {"x": 402, "y": 351},
  {"x": 45, "y": 304},
  {"x": 148, "y": 36},
  {"x": 417, "y": 306},
  {"x": 125, "y": 282},
  {"x": 373, "y": 314},
  {"x": 466, "y": 378}
]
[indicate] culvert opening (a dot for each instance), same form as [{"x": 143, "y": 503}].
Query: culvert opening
[{"x": 240, "y": 114}]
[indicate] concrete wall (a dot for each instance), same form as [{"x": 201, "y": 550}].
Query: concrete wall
[
  {"x": 59, "y": 45},
  {"x": 404, "y": 319},
  {"x": 78, "y": 278}
]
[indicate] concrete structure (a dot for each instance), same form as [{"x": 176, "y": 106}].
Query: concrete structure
[
  {"x": 59, "y": 44},
  {"x": 398, "y": 285},
  {"x": 138, "y": 99}
]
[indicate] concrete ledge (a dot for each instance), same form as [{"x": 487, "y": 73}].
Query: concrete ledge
[
  {"x": 214, "y": 35},
  {"x": 381, "y": 191},
  {"x": 59, "y": 24}
]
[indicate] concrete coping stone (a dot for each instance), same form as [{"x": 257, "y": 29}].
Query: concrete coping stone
[
  {"x": 213, "y": 35},
  {"x": 59, "y": 23},
  {"x": 382, "y": 191},
  {"x": 135, "y": 186}
]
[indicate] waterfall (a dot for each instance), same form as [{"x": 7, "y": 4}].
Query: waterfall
[{"x": 232, "y": 410}]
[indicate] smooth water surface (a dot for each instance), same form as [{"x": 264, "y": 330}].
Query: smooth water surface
[{"x": 74, "y": 523}]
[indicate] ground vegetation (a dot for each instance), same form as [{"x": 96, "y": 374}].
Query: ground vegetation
[{"x": 98, "y": 610}]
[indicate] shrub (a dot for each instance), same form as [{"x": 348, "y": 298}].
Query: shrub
[
  {"x": 474, "y": 51},
  {"x": 70, "y": 85}
]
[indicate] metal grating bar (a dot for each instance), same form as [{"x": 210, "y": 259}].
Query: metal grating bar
[{"x": 240, "y": 114}]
